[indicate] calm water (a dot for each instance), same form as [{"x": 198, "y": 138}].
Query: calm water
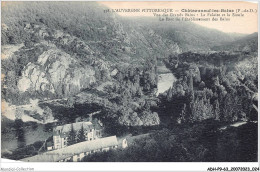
[
  {"x": 27, "y": 135},
  {"x": 165, "y": 81}
]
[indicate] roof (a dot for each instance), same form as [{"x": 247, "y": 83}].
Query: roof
[
  {"x": 49, "y": 144},
  {"x": 65, "y": 129},
  {"x": 60, "y": 154}
]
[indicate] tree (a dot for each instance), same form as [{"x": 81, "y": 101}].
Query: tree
[
  {"x": 71, "y": 137},
  {"x": 71, "y": 102},
  {"x": 201, "y": 109},
  {"x": 147, "y": 105},
  {"x": 231, "y": 107},
  {"x": 129, "y": 118},
  {"x": 217, "y": 110},
  {"x": 19, "y": 131},
  {"x": 139, "y": 92},
  {"x": 169, "y": 94},
  {"x": 190, "y": 84},
  {"x": 183, "y": 114},
  {"x": 47, "y": 115},
  {"x": 119, "y": 77},
  {"x": 136, "y": 78},
  {"x": 202, "y": 85},
  {"x": 149, "y": 118},
  {"x": 81, "y": 135}
]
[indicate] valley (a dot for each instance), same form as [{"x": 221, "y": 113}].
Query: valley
[{"x": 170, "y": 88}]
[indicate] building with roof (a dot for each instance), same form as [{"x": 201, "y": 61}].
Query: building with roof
[
  {"x": 61, "y": 133},
  {"x": 76, "y": 152}
]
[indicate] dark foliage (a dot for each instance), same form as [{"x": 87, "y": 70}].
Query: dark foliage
[
  {"x": 201, "y": 142},
  {"x": 71, "y": 136}
]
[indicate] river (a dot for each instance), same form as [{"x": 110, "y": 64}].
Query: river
[
  {"x": 165, "y": 81},
  {"x": 12, "y": 138}
]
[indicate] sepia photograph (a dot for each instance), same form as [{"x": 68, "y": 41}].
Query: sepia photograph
[{"x": 125, "y": 81}]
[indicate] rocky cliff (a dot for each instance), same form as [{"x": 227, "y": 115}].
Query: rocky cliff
[{"x": 56, "y": 72}]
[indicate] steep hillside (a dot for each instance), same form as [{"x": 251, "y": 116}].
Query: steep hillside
[
  {"x": 246, "y": 44},
  {"x": 189, "y": 36},
  {"x": 75, "y": 53},
  {"x": 105, "y": 36},
  {"x": 57, "y": 59}
]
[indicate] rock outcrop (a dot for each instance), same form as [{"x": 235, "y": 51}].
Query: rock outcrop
[{"x": 56, "y": 72}]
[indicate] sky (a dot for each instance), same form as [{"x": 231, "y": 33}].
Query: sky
[{"x": 247, "y": 24}]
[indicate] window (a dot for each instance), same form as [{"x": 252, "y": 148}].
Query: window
[{"x": 58, "y": 140}]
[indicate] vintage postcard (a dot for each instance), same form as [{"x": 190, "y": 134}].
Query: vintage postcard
[{"x": 154, "y": 81}]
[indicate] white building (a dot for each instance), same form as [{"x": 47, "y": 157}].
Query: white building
[
  {"x": 75, "y": 152},
  {"x": 61, "y": 133}
]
